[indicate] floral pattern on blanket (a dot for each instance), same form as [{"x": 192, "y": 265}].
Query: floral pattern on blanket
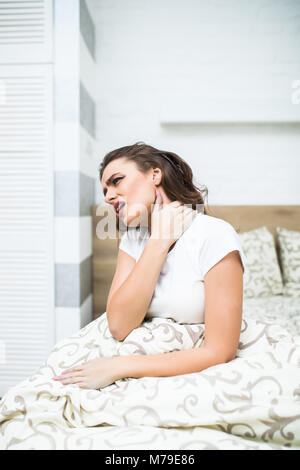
[{"x": 252, "y": 402}]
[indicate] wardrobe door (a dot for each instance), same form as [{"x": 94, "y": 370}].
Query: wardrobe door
[
  {"x": 26, "y": 221},
  {"x": 27, "y": 329},
  {"x": 26, "y": 31}
]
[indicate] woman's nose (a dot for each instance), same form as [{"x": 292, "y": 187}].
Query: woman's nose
[{"x": 109, "y": 198}]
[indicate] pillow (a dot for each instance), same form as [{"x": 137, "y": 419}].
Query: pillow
[
  {"x": 289, "y": 253},
  {"x": 263, "y": 275}
]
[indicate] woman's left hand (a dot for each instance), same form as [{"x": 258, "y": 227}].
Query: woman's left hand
[{"x": 94, "y": 374}]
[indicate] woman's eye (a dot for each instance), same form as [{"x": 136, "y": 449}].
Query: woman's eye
[{"x": 116, "y": 180}]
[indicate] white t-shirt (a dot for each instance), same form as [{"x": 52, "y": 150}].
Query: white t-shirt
[{"x": 179, "y": 291}]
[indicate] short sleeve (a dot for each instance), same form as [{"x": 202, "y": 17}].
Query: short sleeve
[
  {"x": 128, "y": 244},
  {"x": 219, "y": 240}
]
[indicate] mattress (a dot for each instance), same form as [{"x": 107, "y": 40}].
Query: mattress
[{"x": 277, "y": 309}]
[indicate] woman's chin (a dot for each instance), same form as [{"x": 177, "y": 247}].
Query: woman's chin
[{"x": 133, "y": 220}]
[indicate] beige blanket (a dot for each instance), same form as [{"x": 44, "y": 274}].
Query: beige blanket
[{"x": 252, "y": 402}]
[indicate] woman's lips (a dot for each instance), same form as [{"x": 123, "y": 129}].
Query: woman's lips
[{"x": 120, "y": 211}]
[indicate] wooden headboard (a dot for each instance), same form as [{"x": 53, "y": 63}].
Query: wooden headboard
[{"x": 242, "y": 218}]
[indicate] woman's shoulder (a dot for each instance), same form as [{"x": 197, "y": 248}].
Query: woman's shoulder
[
  {"x": 212, "y": 239},
  {"x": 206, "y": 225}
]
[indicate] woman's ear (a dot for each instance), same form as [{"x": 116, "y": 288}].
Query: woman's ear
[{"x": 157, "y": 176}]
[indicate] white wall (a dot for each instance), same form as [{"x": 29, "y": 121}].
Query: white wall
[{"x": 151, "y": 53}]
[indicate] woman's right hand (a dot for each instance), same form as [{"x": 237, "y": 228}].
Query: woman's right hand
[{"x": 168, "y": 222}]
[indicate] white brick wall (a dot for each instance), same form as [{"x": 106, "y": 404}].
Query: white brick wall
[{"x": 149, "y": 52}]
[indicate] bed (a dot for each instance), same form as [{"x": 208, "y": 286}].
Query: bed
[
  {"x": 250, "y": 403},
  {"x": 243, "y": 219}
]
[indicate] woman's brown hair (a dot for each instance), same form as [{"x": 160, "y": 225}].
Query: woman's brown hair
[{"x": 177, "y": 175}]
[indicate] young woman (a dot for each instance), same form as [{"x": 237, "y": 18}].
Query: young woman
[{"x": 189, "y": 269}]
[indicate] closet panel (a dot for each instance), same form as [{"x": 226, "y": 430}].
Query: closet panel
[
  {"x": 26, "y": 31},
  {"x": 26, "y": 221}
]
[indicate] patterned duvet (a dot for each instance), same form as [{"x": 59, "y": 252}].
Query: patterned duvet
[{"x": 252, "y": 402}]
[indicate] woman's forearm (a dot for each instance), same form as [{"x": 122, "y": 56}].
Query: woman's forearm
[
  {"x": 129, "y": 304},
  {"x": 167, "y": 364}
]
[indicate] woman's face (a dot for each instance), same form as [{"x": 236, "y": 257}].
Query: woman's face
[{"x": 123, "y": 182}]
